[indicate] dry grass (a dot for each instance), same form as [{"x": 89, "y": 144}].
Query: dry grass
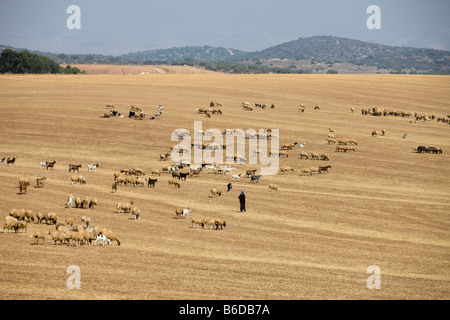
[
  {"x": 141, "y": 69},
  {"x": 313, "y": 239}
]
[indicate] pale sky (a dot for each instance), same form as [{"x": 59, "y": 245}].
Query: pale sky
[{"x": 117, "y": 27}]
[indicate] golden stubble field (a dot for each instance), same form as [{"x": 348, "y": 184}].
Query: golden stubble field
[
  {"x": 139, "y": 69},
  {"x": 312, "y": 239}
]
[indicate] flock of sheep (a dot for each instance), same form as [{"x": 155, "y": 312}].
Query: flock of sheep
[
  {"x": 207, "y": 222},
  {"x": 217, "y": 223},
  {"x": 246, "y": 106},
  {"x": 180, "y": 172},
  {"x": 81, "y": 202},
  {"x": 213, "y": 108},
  {"x": 73, "y": 234},
  {"x": 67, "y": 232},
  {"x": 129, "y": 207},
  {"x": 135, "y": 113},
  {"x": 308, "y": 170},
  {"x": 377, "y": 111},
  {"x": 24, "y": 182},
  {"x": 423, "y": 149}
]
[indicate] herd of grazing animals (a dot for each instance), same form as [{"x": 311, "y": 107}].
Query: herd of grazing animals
[
  {"x": 423, "y": 149},
  {"x": 215, "y": 223},
  {"x": 386, "y": 112},
  {"x": 8, "y": 160},
  {"x": 81, "y": 202},
  {"x": 129, "y": 207},
  {"x": 135, "y": 113},
  {"x": 24, "y": 182},
  {"x": 67, "y": 232},
  {"x": 72, "y": 234},
  {"x": 78, "y": 179}
]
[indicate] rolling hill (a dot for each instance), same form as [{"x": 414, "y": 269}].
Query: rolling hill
[
  {"x": 316, "y": 54},
  {"x": 334, "y": 50},
  {"x": 196, "y": 53}
]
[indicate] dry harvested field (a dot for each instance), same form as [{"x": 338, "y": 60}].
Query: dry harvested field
[
  {"x": 314, "y": 238},
  {"x": 142, "y": 69}
]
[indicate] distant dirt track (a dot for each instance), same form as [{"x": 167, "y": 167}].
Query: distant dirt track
[{"x": 314, "y": 238}]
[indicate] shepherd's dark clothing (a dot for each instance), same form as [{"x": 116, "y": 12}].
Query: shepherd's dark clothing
[{"x": 242, "y": 201}]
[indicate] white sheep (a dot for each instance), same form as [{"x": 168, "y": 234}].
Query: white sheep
[
  {"x": 228, "y": 170},
  {"x": 103, "y": 238},
  {"x": 112, "y": 237},
  {"x": 183, "y": 212},
  {"x": 70, "y": 199},
  {"x": 93, "y": 167},
  {"x": 235, "y": 177}
]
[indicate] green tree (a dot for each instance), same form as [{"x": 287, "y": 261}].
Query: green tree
[{"x": 25, "y": 62}]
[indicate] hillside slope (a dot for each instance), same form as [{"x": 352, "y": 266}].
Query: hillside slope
[
  {"x": 332, "y": 50},
  {"x": 305, "y": 55}
]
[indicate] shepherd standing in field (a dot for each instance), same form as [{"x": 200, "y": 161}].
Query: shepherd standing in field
[{"x": 242, "y": 201}]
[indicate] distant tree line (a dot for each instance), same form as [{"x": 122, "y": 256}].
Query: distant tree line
[
  {"x": 325, "y": 52},
  {"x": 25, "y": 62},
  {"x": 229, "y": 67}
]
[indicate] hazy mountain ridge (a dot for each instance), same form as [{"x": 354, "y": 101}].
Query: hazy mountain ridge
[
  {"x": 311, "y": 55},
  {"x": 332, "y": 50},
  {"x": 196, "y": 53}
]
